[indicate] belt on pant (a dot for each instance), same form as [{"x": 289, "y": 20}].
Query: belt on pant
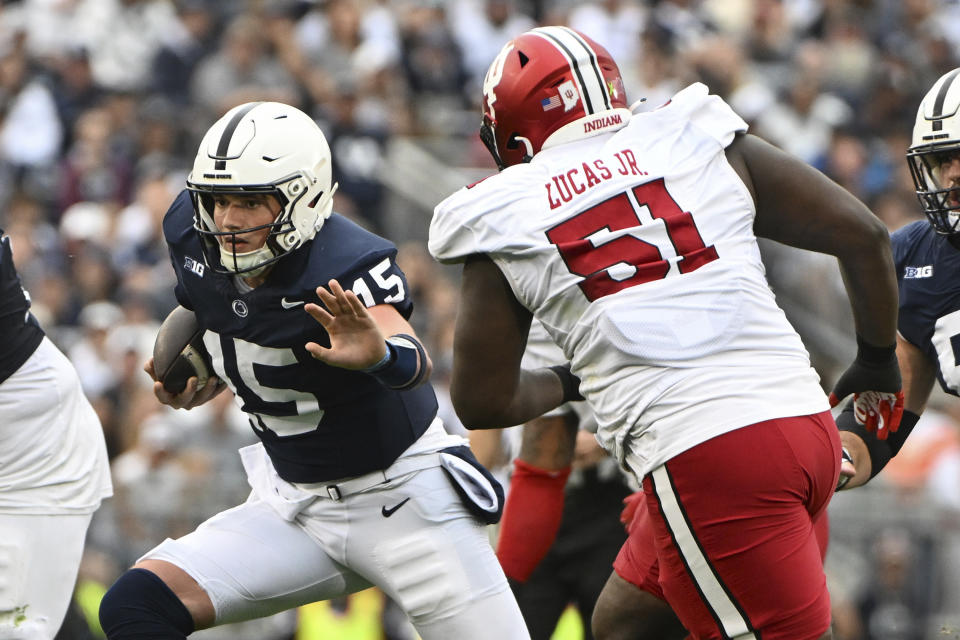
[{"x": 336, "y": 490}]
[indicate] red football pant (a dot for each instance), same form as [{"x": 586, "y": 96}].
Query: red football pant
[{"x": 732, "y": 532}]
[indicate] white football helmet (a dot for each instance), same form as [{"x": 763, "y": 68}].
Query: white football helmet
[
  {"x": 936, "y": 138},
  {"x": 263, "y": 148}
]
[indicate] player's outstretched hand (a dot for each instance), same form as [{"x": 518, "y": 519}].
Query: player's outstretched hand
[
  {"x": 355, "y": 339},
  {"x": 874, "y": 380},
  {"x": 190, "y": 397}
]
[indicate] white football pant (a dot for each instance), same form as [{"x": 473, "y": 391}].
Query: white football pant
[
  {"x": 412, "y": 537},
  {"x": 39, "y": 558}
]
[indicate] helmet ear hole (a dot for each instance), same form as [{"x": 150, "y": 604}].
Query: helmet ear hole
[{"x": 516, "y": 140}]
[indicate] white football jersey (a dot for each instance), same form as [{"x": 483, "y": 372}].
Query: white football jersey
[{"x": 635, "y": 250}]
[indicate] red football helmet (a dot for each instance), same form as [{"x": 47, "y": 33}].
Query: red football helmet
[{"x": 549, "y": 85}]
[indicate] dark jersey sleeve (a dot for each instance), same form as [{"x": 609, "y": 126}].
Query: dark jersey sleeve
[
  {"x": 178, "y": 231},
  {"x": 929, "y": 311},
  {"x": 360, "y": 261},
  {"x": 20, "y": 333},
  {"x": 913, "y": 261},
  {"x": 380, "y": 281}
]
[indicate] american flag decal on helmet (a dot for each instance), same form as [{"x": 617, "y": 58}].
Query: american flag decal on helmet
[{"x": 550, "y": 103}]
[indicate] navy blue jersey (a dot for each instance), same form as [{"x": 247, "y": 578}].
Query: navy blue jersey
[
  {"x": 20, "y": 334},
  {"x": 928, "y": 274},
  {"x": 316, "y": 421}
]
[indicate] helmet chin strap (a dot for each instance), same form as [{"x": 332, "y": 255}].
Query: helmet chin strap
[{"x": 238, "y": 262}]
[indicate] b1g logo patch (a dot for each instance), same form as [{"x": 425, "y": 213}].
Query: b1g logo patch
[
  {"x": 193, "y": 266},
  {"x": 911, "y": 273}
]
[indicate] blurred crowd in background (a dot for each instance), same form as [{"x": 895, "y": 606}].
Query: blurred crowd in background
[{"x": 102, "y": 105}]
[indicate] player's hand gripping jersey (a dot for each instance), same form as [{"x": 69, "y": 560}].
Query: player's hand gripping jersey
[
  {"x": 636, "y": 251},
  {"x": 317, "y": 422}
]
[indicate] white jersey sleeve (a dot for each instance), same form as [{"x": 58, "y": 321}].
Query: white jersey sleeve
[
  {"x": 461, "y": 223},
  {"x": 709, "y": 113}
]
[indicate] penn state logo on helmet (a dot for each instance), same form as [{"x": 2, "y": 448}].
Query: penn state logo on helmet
[
  {"x": 935, "y": 144},
  {"x": 262, "y": 148},
  {"x": 547, "y": 86}
]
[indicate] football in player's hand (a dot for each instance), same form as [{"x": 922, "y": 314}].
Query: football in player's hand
[{"x": 179, "y": 354}]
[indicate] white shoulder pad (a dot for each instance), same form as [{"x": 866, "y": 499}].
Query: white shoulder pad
[
  {"x": 477, "y": 219},
  {"x": 708, "y": 112},
  {"x": 450, "y": 236}
]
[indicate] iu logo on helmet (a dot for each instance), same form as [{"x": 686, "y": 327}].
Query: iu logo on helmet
[
  {"x": 493, "y": 78},
  {"x": 568, "y": 92}
]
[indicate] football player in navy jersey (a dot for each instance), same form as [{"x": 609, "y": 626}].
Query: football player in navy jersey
[
  {"x": 355, "y": 481},
  {"x": 53, "y": 468},
  {"x": 927, "y": 258}
]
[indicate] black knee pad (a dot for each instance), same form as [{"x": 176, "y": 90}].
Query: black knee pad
[{"x": 140, "y": 606}]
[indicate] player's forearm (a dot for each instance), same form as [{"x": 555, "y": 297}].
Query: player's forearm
[
  {"x": 536, "y": 392},
  {"x": 919, "y": 375},
  {"x": 869, "y": 276},
  {"x": 549, "y": 442}
]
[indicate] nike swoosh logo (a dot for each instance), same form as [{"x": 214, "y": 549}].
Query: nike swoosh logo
[
  {"x": 290, "y": 304},
  {"x": 389, "y": 512}
]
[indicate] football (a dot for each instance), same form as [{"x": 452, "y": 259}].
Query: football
[{"x": 179, "y": 354}]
